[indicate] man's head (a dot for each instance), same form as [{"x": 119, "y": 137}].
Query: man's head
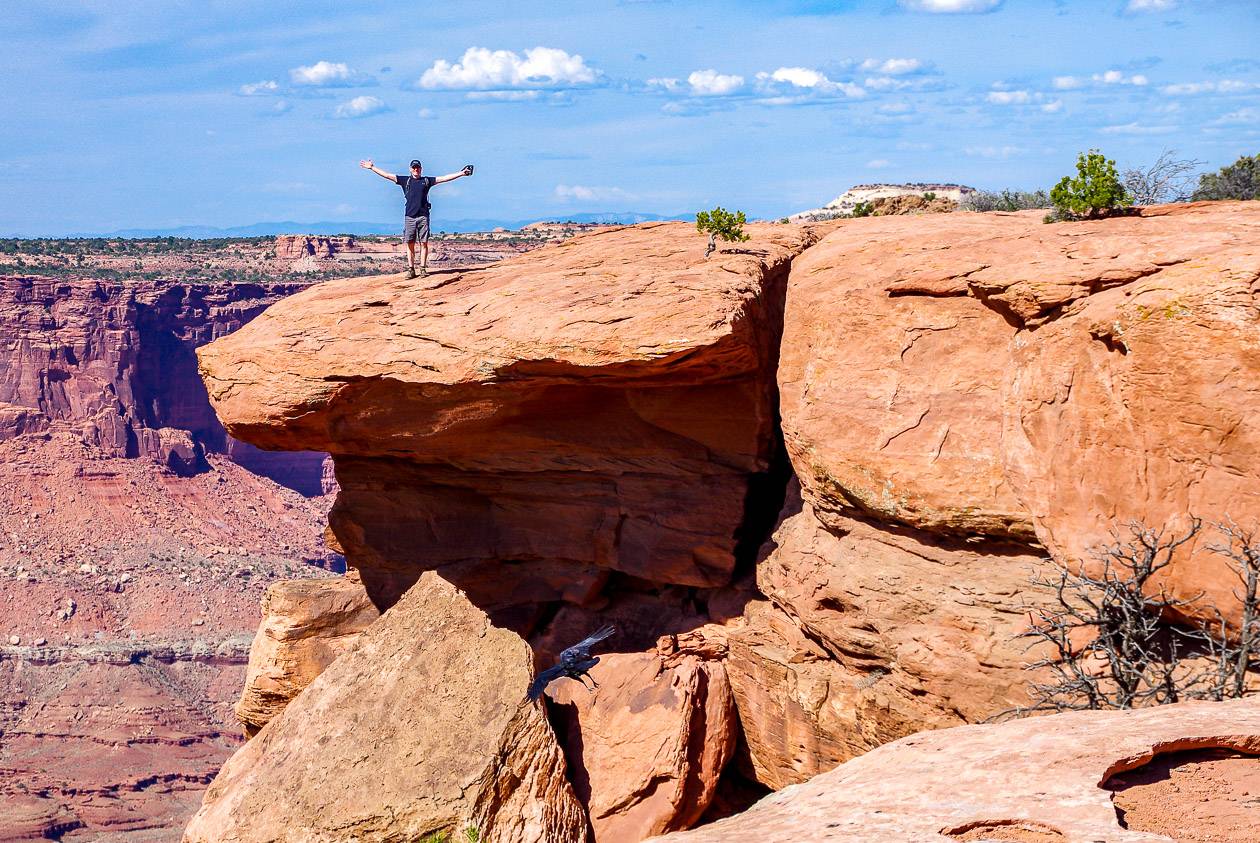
[{"x": 416, "y": 167}]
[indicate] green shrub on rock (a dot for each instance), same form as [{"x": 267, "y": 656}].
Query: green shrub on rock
[
  {"x": 721, "y": 223},
  {"x": 1240, "y": 180},
  {"x": 1095, "y": 192}
]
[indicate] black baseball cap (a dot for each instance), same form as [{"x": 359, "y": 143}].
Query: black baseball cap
[{"x": 415, "y": 163}]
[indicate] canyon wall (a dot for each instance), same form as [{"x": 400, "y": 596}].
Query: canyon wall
[
  {"x": 810, "y": 479},
  {"x": 114, "y": 363},
  {"x": 134, "y": 547}
]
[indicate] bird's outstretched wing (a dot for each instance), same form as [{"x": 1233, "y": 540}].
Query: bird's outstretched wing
[
  {"x": 543, "y": 679},
  {"x": 582, "y": 649}
]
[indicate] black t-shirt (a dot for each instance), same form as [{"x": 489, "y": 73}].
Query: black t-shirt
[{"x": 417, "y": 193}]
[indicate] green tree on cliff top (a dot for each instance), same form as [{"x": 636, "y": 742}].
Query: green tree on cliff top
[
  {"x": 721, "y": 223},
  {"x": 1095, "y": 192}
]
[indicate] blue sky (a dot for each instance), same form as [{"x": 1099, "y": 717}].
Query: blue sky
[{"x": 157, "y": 114}]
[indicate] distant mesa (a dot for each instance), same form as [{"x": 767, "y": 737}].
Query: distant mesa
[{"x": 844, "y": 204}]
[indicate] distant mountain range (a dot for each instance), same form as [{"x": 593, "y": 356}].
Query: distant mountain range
[{"x": 267, "y": 229}]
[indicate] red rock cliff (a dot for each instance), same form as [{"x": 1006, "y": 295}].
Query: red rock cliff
[
  {"x": 115, "y": 363},
  {"x": 588, "y": 434}
]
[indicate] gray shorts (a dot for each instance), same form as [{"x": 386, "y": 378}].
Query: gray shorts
[{"x": 416, "y": 228}]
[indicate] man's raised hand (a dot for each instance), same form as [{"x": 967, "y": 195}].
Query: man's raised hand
[{"x": 366, "y": 163}]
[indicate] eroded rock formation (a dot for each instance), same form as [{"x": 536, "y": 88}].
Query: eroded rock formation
[
  {"x": 1037, "y": 779},
  {"x": 422, "y": 727},
  {"x": 599, "y": 405},
  {"x": 587, "y": 434},
  {"x": 306, "y": 625},
  {"x": 647, "y": 747}
]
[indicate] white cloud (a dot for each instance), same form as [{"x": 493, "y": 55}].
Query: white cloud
[
  {"x": 795, "y": 80},
  {"x": 425, "y": 114},
  {"x": 800, "y": 77},
  {"x": 360, "y": 107},
  {"x": 1138, "y": 129},
  {"x": 994, "y": 151},
  {"x": 1115, "y": 77},
  {"x": 1219, "y": 86},
  {"x": 327, "y": 74},
  {"x": 665, "y": 83},
  {"x": 891, "y": 67},
  {"x": 893, "y": 83},
  {"x": 504, "y": 96},
  {"x": 1110, "y": 77},
  {"x": 583, "y": 193},
  {"x": 1150, "y": 5},
  {"x": 951, "y": 6},
  {"x": 878, "y": 164},
  {"x": 1009, "y": 97},
  {"x": 259, "y": 89},
  {"x": 1243, "y": 115},
  {"x": 710, "y": 83},
  {"x": 1053, "y": 107},
  {"x": 483, "y": 69}
]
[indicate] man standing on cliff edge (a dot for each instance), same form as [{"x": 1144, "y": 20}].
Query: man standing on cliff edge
[{"x": 416, "y": 216}]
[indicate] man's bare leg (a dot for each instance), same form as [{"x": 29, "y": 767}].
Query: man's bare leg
[
  {"x": 411, "y": 259},
  {"x": 424, "y": 257}
]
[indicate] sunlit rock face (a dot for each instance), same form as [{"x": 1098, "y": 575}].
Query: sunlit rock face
[{"x": 600, "y": 405}]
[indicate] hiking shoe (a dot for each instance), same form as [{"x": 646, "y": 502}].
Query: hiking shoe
[
  {"x": 424, "y": 271},
  {"x": 411, "y": 273}
]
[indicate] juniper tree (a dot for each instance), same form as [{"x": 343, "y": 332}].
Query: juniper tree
[
  {"x": 721, "y": 223},
  {"x": 1240, "y": 180},
  {"x": 1095, "y": 191}
]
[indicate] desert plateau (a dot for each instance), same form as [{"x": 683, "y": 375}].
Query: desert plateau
[{"x": 625, "y": 487}]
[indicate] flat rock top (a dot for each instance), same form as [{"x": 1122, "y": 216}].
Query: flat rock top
[
  {"x": 631, "y": 302},
  {"x": 1023, "y": 268},
  {"x": 1036, "y": 779}
]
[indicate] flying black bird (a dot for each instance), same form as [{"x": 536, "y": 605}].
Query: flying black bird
[{"x": 575, "y": 663}]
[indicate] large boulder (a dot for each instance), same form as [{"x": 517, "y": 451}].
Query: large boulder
[
  {"x": 306, "y": 625},
  {"x": 423, "y": 727},
  {"x": 1143, "y": 404},
  {"x": 871, "y": 634},
  {"x": 647, "y": 746},
  {"x": 598, "y": 405},
  {"x": 1038, "y": 780},
  {"x": 892, "y": 404},
  {"x": 987, "y": 376}
]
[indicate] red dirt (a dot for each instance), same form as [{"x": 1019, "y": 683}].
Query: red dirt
[{"x": 1195, "y": 796}]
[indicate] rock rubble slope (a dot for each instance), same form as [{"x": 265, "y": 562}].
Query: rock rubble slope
[{"x": 422, "y": 727}]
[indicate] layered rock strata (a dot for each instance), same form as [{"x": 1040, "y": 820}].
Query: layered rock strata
[
  {"x": 448, "y": 741},
  {"x": 1039, "y": 779},
  {"x": 114, "y": 363}
]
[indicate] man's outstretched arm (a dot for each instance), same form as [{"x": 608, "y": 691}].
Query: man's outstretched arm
[
  {"x": 467, "y": 171},
  {"x": 368, "y": 165}
]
